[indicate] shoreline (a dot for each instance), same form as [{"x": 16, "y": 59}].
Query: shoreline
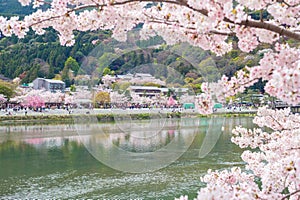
[{"x": 109, "y": 115}]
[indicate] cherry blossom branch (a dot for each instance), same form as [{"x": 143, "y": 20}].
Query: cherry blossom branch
[
  {"x": 278, "y": 123},
  {"x": 298, "y": 148},
  {"x": 255, "y": 24},
  {"x": 188, "y": 29},
  {"x": 291, "y": 194},
  {"x": 287, "y": 4},
  {"x": 270, "y": 27},
  {"x": 248, "y": 23}
]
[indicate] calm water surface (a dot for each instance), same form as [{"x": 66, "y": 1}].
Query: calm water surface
[{"x": 66, "y": 161}]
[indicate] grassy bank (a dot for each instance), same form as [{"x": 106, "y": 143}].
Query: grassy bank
[{"x": 62, "y": 119}]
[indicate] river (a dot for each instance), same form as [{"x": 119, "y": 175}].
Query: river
[{"x": 150, "y": 159}]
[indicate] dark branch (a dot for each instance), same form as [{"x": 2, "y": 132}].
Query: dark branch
[
  {"x": 248, "y": 23},
  {"x": 289, "y": 195}
]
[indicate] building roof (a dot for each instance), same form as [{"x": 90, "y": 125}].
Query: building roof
[
  {"x": 181, "y": 89},
  {"x": 143, "y": 75},
  {"x": 157, "y": 88},
  {"x": 54, "y": 81},
  {"x": 126, "y": 76},
  {"x": 51, "y": 80},
  {"x": 2, "y": 77},
  {"x": 164, "y": 89},
  {"x": 145, "y": 88}
]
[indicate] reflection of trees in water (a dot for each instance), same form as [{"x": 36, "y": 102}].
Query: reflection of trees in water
[
  {"x": 17, "y": 148},
  {"x": 144, "y": 138},
  {"x": 130, "y": 143},
  {"x": 37, "y": 128},
  {"x": 19, "y": 157}
]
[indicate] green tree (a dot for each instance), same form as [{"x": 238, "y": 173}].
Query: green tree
[
  {"x": 102, "y": 99},
  {"x": 72, "y": 64},
  {"x": 72, "y": 88},
  {"x": 106, "y": 59},
  {"x": 65, "y": 76},
  {"x": 6, "y": 89},
  {"x": 106, "y": 71},
  {"x": 70, "y": 69}
]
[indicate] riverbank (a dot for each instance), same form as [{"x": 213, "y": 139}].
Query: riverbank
[{"x": 106, "y": 115}]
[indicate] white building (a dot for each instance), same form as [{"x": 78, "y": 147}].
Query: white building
[
  {"x": 151, "y": 91},
  {"x": 49, "y": 85}
]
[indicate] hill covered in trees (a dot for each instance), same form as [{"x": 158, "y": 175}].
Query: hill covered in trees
[
  {"x": 13, "y": 7},
  {"x": 43, "y": 56}
]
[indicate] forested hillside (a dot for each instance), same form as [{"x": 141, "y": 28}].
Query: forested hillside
[
  {"x": 13, "y": 7},
  {"x": 43, "y": 56}
]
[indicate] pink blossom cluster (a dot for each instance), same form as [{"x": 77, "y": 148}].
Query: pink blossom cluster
[
  {"x": 206, "y": 24},
  {"x": 280, "y": 68},
  {"x": 247, "y": 38},
  {"x": 276, "y": 162},
  {"x": 204, "y": 101},
  {"x": 38, "y": 98},
  {"x": 225, "y": 87},
  {"x": 135, "y": 98},
  {"x": 171, "y": 101},
  {"x": 69, "y": 99},
  {"x": 50, "y": 97},
  {"x": 82, "y": 94},
  {"x": 116, "y": 97},
  {"x": 284, "y": 72},
  {"x": 187, "y": 98},
  {"x": 285, "y": 13},
  {"x": 33, "y": 101},
  {"x": 108, "y": 80},
  {"x": 228, "y": 184},
  {"x": 272, "y": 160},
  {"x": 277, "y": 119},
  {"x": 2, "y": 98}
]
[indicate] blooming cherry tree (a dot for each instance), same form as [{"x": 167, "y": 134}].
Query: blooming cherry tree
[
  {"x": 273, "y": 172},
  {"x": 108, "y": 80},
  {"x": 38, "y": 98},
  {"x": 69, "y": 99},
  {"x": 117, "y": 98},
  {"x": 171, "y": 101},
  {"x": 2, "y": 98},
  {"x": 140, "y": 99},
  {"x": 187, "y": 98},
  {"x": 33, "y": 100}
]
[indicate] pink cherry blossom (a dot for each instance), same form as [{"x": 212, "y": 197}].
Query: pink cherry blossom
[
  {"x": 276, "y": 165},
  {"x": 2, "y": 98},
  {"x": 171, "y": 101}
]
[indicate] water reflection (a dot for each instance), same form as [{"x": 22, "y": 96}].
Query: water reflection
[
  {"x": 46, "y": 162},
  {"x": 142, "y": 148}
]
